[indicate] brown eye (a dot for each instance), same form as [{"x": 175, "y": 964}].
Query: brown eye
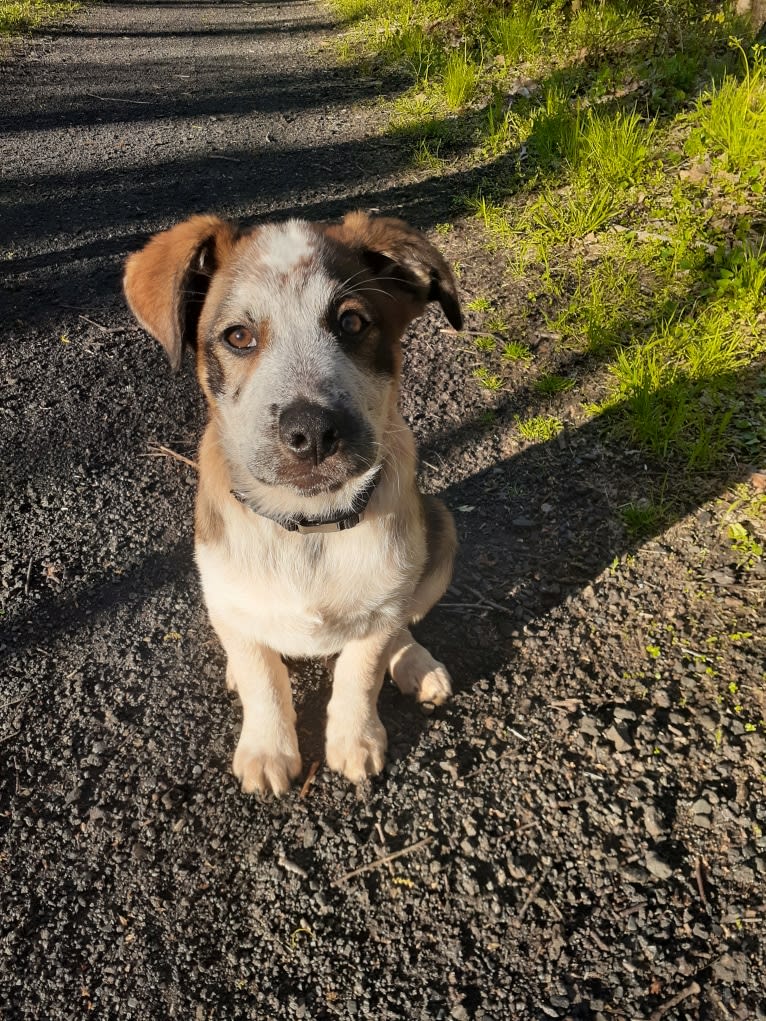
[
  {"x": 351, "y": 322},
  {"x": 240, "y": 337}
]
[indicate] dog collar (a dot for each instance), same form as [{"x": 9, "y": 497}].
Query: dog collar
[{"x": 308, "y": 526}]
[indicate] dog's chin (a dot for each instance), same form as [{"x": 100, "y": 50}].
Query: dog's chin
[
  {"x": 308, "y": 494},
  {"x": 314, "y": 487}
]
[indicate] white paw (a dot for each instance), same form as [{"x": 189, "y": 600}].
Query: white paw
[
  {"x": 416, "y": 672},
  {"x": 265, "y": 769},
  {"x": 356, "y": 751}
]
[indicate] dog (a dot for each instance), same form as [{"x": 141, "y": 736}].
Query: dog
[{"x": 311, "y": 537}]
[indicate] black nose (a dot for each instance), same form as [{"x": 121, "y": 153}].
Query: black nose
[{"x": 309, "y": 431}]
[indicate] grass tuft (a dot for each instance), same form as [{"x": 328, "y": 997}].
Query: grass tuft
[
  {"x": 539, "y": 428},
  {"x": 19, "y": 16}
]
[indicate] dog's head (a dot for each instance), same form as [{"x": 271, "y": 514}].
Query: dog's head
[{"x": 297, "y": 330}]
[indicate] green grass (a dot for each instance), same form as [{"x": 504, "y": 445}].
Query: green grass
[
  {"x": 488, "y": 380},
  {"x": 515, "y": 351},
  {"x": 621, "y": 155},
  {"x": 479, "y": 304},
  {"x": 460, "y": 80},
  {"x": 484, "y": 343},
  {"x": 551, "y": 384},
  {"x": 23, "y": 16},
  {"x": 642, "y": 518},
  {"x": 539, "y": 428},
  {"x": 731, "y": 117}
]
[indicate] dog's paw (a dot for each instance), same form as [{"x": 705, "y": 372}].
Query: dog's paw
[
  {"x": 264, "y": 769},
  {"x": 415, "y": 672},
  {"x": 356, "y": 752}
]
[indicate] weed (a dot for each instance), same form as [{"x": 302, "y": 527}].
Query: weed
[
  {"x": 732, "y": 116},
  {"x": 484, "y": 343},
  {"x": 443, "y": 228},
  {"x": 615, "y": 146},
  {"x": 493, "y": 217},
  {"x": 460, "y": 79},
  {"x": 515, "y": 35},
  {"x": 496, "y": 322},
  {"x": 553, "y": 384},
  {"x": 515, "y": 351},
  {"x": 749, "y": 551},
  {"x": 642, "y": 518},
  {"x": 539, "y": 428},
  {"x": 555, "y": 218},
  {"x": 488, "y": 380},
  {"x": 426, "y": 155},
  {"x": 479, "y": 304}
]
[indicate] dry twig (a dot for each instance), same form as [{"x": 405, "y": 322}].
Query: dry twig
[
  {"x": 158, "y": 450},
  {"x": 104, "y": 329},
  {"x": 116, "y": 99},
  {"x": 531, "y": 896},
  {"x": 370, "y": 866},
  {"x": 692, "y": 989},
  {"x": 699, "y": 875},
  {"x": 313, "y": 769}
]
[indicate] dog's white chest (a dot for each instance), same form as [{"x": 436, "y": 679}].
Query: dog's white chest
[{"x": 306, "y": 595}]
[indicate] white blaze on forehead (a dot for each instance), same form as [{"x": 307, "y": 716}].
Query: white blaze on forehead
[{"x": 282, "y": 246}]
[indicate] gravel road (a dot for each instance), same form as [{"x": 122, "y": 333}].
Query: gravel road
[{"x": 578, "y": 834}]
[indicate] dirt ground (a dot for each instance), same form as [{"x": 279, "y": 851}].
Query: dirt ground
[{"x": 581, "y": 828}]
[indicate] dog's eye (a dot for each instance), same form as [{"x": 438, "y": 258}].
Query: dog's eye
[
  {"x": 351, "y": 322},
  {"x": 240, "y": 337}
]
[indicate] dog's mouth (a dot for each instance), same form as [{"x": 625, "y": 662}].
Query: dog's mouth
[{"x": 306, "y": 500}]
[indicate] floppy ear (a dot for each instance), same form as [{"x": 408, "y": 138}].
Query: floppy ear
[
  {"x": 167, "y": 281},
  {"x": 400, "y": 250}
]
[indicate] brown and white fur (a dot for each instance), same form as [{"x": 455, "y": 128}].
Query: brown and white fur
[{"x": 297, "y": 330}]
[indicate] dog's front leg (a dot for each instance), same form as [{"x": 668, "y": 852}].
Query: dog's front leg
[
  {"x": 356, "y": 739},
  {"x": 267, "y": 757}
]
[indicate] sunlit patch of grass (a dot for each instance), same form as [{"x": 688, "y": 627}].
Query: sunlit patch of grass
[
  {"x": 517, "y": 34},
  {"x": 732, "y": 116},
  {"x": 676, "y": 392},
  {"x": 493, "y": 216},
  {"x": 460, "y": 79},
  {"x": 615, "y": 146},
  {"x": 601, "y": 311},
  {"x": 479, "y": 304},
  {"x": 749, "y": 551},
  {"x": 556, "y": 218},
  {"x": 539, "y": 428},
  {"x": 25, "y": 15}
]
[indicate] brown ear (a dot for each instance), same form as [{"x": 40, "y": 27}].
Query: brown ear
[
  {"x": 394, "y": 247},
  {"x": 167, "y": 281}
]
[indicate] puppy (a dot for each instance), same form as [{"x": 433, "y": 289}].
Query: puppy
[{"x": 312, "y": 538}]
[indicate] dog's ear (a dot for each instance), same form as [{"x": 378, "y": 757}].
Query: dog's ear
[
  {"x": 167, "y": 281},
  {"x": 393, "y": 247}
]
